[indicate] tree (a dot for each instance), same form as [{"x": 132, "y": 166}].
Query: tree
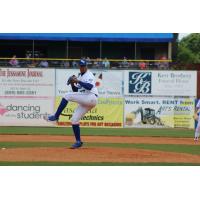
[{"x": 189, "y": 49}]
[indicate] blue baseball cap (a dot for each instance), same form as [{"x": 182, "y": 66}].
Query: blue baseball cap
[{"x": 82, "y": 63}]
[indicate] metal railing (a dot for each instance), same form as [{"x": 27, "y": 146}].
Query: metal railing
[{"x": 92, "y": 63}]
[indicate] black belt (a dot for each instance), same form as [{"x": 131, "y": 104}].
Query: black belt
[{"x": 96, "y": 95}]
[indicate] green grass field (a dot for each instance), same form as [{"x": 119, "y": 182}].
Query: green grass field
[
  {"x": 99, "y": 131},
  {"x": 173, "y": 133}
]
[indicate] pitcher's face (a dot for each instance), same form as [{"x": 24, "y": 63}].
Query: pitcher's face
[{"x": 83, "y": 69}]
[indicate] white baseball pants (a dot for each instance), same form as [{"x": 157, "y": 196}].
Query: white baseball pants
[{"x": 86, "y": 102}]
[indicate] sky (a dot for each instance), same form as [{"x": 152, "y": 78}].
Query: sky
[{"x": 181, "y": 35}]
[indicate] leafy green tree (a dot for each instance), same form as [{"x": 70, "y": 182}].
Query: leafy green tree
[{"x": 189, "y": 49}]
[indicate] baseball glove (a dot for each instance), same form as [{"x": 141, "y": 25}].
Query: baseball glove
[{"x": 72, "y": 79}]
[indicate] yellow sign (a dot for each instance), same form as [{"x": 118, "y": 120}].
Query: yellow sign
[
  {"x": 183, "y": 114},
  {"x": 159, "y": 112},
  {"x": 107, "y": 113}
]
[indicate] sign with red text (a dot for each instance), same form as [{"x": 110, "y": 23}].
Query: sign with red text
[
  {"x": 107, "y": 113},
  {"x": 27, "y": 83}
]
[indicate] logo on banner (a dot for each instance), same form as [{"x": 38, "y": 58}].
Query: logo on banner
[
  {"x": 140, "y": 82},
  {"x": 3, "y": 110}
]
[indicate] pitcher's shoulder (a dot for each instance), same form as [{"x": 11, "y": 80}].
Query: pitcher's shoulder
[{"x": 90, "y": 74}]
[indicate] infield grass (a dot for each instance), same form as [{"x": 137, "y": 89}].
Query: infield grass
[{"x": 98, "y": 131}]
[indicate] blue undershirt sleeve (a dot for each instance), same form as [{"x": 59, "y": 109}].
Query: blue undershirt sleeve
[{"x": 87, "y": 86}]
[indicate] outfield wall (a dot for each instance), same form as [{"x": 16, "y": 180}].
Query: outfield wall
[{"x": 127, "y": 98}]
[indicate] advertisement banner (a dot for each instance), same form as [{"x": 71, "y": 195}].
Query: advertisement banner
[
  {"x": 159, "y": 112},
  {"x": 25, "y": 112},
  {"x": 27, "y": 83},
  {"x": 108, "y": 83},
  {"x": 160, "y": 83},
  {"x": 184, "y": 112},
  {"x": 107, "y": 113},
  {"x": 62, "y": 75}
]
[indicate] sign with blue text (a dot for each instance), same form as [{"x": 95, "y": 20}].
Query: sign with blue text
[{"x": 160, "y": 83}]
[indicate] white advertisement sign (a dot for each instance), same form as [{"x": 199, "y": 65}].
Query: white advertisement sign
[
  {"x": 27, "y": 83},
  {"x": 25, "y": 112},
  {"x": 108, "y": 83},
  {"x": 160, "y": 83},
  {"x": 62, "y": 75},
  {"x": 159, "y": 112}
]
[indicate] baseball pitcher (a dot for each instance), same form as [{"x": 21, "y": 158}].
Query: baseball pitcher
[{"x": 84, "y": 93}]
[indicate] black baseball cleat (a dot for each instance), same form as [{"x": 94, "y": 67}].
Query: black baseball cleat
[{"x": 76, "y": 145}]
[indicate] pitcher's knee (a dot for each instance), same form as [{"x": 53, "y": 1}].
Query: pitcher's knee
[
  {"x": 74, "y": 120},
  {"x": 93, "y": 103},
  {"x": 68, "y": 97}
]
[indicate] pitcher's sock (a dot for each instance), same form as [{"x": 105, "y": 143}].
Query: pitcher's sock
[
  {"x": 61, "y": 107},
  {"x": 76, "y": 129}
]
